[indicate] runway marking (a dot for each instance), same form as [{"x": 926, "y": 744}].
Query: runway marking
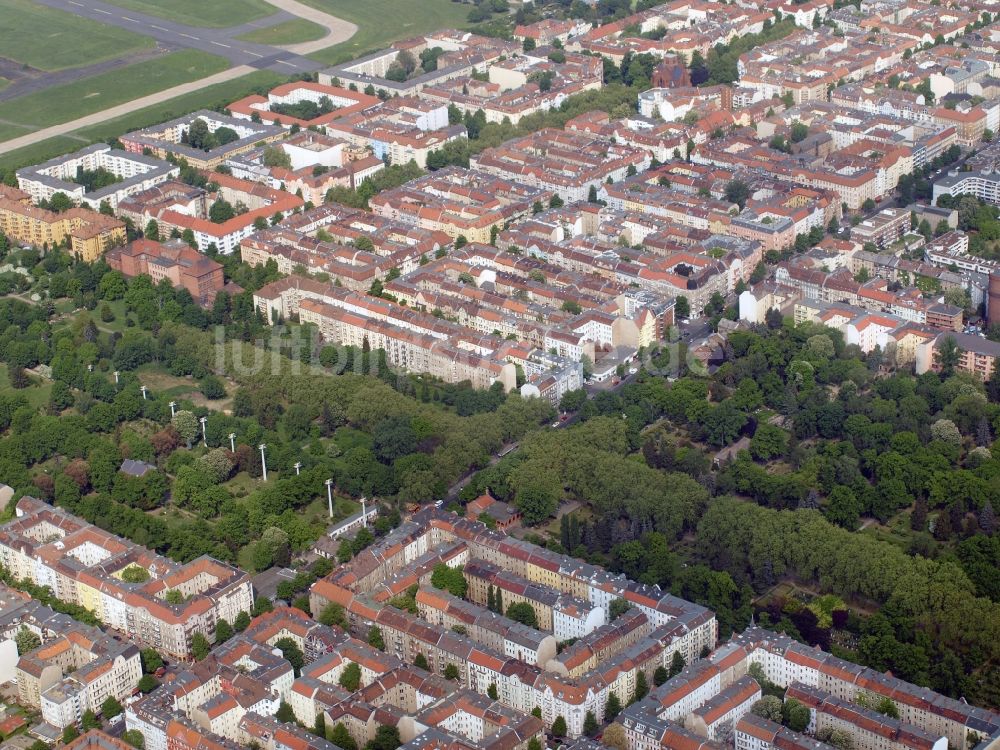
[
  {"x": 290, "y": 65},
  {"x": 252, "y": 53},
  {"x": 126, "y": 18},
  {"x": 190, "y": 37},
  {"x": 220, "y": 44},
  {"x": 79, "y": 5},
  {"x": 105, "y": 12},
  {"x": 158, "y": 28}
]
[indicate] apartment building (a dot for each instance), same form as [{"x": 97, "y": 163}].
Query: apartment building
[
  {"x": 76, "y": 667},
  {"x": 84, "y": 565},
  {"x": 755, "y": 733},
  {"x": 176, "y": 261},
  {"x": 984, "y": 184},
  {"x": 458, "y": 54},
  {"x": 882, "y": 229},
  {"x": 568, "y": 163},
  {"x": 869, "y": 729},
  {"x": 976, "y": 355},
  {"x": 229, "y": 136},
  {"x": 330, "y": 103},
  {"x": 133, "y": 173},
  {"x": 785, "y": 661},
  {"x": 181, "y": 208},
  {"x": 88, "y": 234},
  {"x": 387, "y": 567},
  {"x": 459, "y": 203}
]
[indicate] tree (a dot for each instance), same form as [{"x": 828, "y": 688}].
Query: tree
[
  {"x": 682, "y": 308},
  {"x": 615, "y": 737},
  {"x": 768, "y": 707},
  {"x": 333, "y": 614},
  {"x": 948, "y": 356},
  {"x": 89, "y": 721},
  {"x": 26, "y": 641},
  {"x": 151, "y": 660},
  {"x": 292, "y": 653},
  {"x": 319, "y": 725},
  {"x": 799, "y": 132},
  {"x": 420, "y": 661},
  {"x": 199, "y": 646},
  {"x": 794, "y": 715},
  {"x": 135, "y": 738},
  {"x": 111, "y": 707},
  {"x": 285, "y": 713},
  {"x": 737, "y": 191},
  {"x": 221, "y": 211},
  {"x": 559, "y": 726},
  {"x": 450, "y": 579},
  {"x": 375, "y": 639},
  {"x": 386, "y": 738},
  {"x": 342, "y": 738},
  {"x": 147, "y": 684},
  {"x": 523, "y": 613},
  {"x": 186, "y": 425},
  {"x": 212, "y": 388},
  {"x": 491, "y": 691},
  {"x": 676, "y": 663},
  {"x": 946, "y": 431},
  {"x": 613, "y": 706},
  {"x": 275, "y": 156},
  {"x": 590, "y": 725},
  {"x": 152, "y": 230},
  {"x": 350, "y": 678},
  {"x": 450, "y": 672},
  {"x": 641, "y": 687},
  {"x": 242, "y": 621},
  {"x": 69, "y": 734},
  {"x": 536, "y": 501}
]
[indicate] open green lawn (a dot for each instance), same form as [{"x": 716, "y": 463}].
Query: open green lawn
[
  {"x": 37, "y": 394},
  {"x": 50, "y": 39},
  {"x": 218, "y": 95},
  {"x": 62, "y": 103},
  {"x": 289, "y": 32},
  {"x": 214, "y": 14},
  {"x": 382, "y": 21}
]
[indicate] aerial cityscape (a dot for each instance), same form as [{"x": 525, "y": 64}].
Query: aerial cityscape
[{"x": 499, "y": 375}]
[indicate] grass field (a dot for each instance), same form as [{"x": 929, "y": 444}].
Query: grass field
[
  {"x": 289, "y": 32},
  {"x": 62, "y": 103},
  {"x": 214, "y": 14},
  {"x": 382, "y": 21},
  {"x": 219, "y": 94},
  {"x": 36, "y": 394},
  {"x": 50, "y": 39}
]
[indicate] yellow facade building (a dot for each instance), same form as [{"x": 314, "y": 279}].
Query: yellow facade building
[{"x": 89, "y": 233}]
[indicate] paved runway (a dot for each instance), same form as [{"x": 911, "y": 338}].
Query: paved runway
[
  {"x": 221, "y": 42},
  {"x": 245, "y": 57}
]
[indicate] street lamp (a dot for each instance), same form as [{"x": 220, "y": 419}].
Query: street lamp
[
  {"x": 263, "y": 461},
  {"x": 143, "y": 389},
  {"x": 204, "y": 437},
  {"x": 232, "y": 442},
  {"x": 297, "y": 465},
  {"x": 329, "y": 495},
  {"x": 173, "y": 407}
]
